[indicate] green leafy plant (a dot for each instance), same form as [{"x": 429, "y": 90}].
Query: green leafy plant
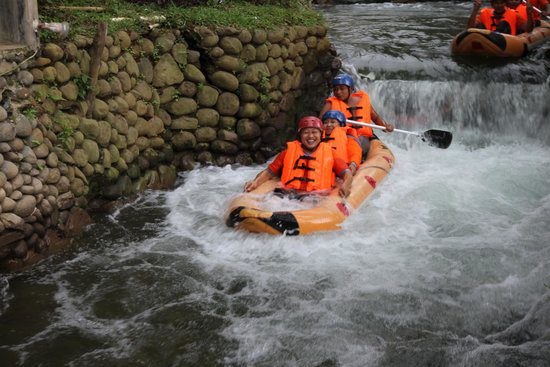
[
  {"x": 200, "y": 86},
  {"x": 156, "y": 54},
  {"x": 84, "y": 85},
  {"x": 30, "y": 113},
  {"x": 176, "y": 95},
  {"x": 66, "y": 130},
  {"x": 264, "y": 99}
]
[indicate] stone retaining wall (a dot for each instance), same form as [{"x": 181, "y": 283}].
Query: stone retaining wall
[{"x": 165, "y": 101}]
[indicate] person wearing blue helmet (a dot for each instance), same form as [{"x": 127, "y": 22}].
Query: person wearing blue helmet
[
  {"x": 356, "y": 106},
  {"x": 345, "y": 146}
]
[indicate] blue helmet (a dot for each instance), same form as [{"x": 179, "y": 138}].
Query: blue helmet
[
  {"x": 335, "y": 114},
  {"x": 343, "y": 79}
]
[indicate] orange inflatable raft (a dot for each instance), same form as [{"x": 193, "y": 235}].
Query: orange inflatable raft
[
  {"x": 245, "y": 211},
  {"x": 482, "y": 42}
]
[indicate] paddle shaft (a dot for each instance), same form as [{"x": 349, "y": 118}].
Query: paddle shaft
[
  {"x": 536, "y": 9},
  {"x": 382, "y": 127}
]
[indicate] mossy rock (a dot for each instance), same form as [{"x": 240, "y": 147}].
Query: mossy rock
[
  {"x": 92, "y": 150},
  {"x": 146, "y": 69},
  {"x": 250, "y": 110},
  {"x": 167, "y": 72},
  {"x": 89, "y": 127},
  {"x": 188, "y": 89},
  {"x": 262, "y": 53},
  {"x": 228, "y": 135},
  {"x": 80, "y": 157},
  {"x": 104, "y": 133},
  {"x": 247, "y": 129},
  {"x": 228, "y": 63},
  {"x": 259, "y": 36},
  {"x": 179, "y": 52},
  {"x": 248, "y": 54},
  {"x": 248, "y": 93},
  {"x": 208, "y": 117},
  {"x": 224, "y": 147},
  {"x": 184, "y": 140},
  {"x": 183, "y": 106},
  {"x": 253, "y": 73},
  {"x": 224, "y": 80},
  {"x": 231, "y": 45},
  {"x": 205, "y": 134},
  {"x": 185, "y": 123},
  {"x": 193, "y": 74},
  {"x": 228, "y": 104},
  {"x": 207, "y": 96},
  {"x": 228, "y": 122}
]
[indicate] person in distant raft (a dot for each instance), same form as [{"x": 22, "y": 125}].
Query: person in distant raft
[
  {"x": 307, "y": 165},
  {"x": 342, "y": 140},
  {"x": 499, "y": 18},
  {"x": 525, "y": 9},
  {"x": 355, "y": 106}
]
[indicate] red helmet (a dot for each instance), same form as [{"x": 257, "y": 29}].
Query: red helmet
[{"x": 310, "y": 121}]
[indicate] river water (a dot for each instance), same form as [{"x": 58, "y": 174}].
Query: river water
[{"x": 447, "y": 264}]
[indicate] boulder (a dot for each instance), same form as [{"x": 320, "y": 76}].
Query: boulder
[
  {"x": 208, "y": 117},
  {"x": 205, "y": 134},
  {"x": 182, "y": 106},
  {"x": 247, "y": 129},
  {"x": 207, "y": 96},
  {"x": 185, "y": 123},
  {"x": 227, "y": 104},
  {"x": 184, "y": 140},
  {"x": 224, "y": 80},
  {"x": 193, "y": 74},
  {"x": 231, "y": 45},
  {"x": 224, "y": 147},
  {"x": 167, "y": 72}
]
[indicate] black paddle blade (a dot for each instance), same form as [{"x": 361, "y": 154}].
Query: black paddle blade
[{"x": 438, "y": 138}]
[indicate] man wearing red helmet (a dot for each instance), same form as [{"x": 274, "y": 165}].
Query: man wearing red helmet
[{"x": 306, "y": 165}]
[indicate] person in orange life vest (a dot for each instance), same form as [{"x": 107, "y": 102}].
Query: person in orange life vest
[
  {"x": 345, "y": 146},
  {"x": 355, "y": 106},
  {"x": 499, "y": 18},
  {"x": 525, "y": 9},
  {"x": 308, "y": 164}
]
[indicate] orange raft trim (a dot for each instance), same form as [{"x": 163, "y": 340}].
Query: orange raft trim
[
  {"x": 482, "y": 42},
  {"x": 245, "y": 212}
]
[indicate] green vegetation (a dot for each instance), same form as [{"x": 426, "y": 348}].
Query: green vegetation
[
  {"x": 30, "y": 113},
  {"x": 66, "y": 131},
  {"x": 84, "y": 85},
  {"x": 125, "y": 14},
  {"x": 264, "y": 87}
]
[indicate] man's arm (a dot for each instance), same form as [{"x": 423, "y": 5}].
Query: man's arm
[
  {"x": 378, "y": 120},
  {"x": 473, "y": 15}
]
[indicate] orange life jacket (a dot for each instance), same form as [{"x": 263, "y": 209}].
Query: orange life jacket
[
  {"x": 315, "y": 169},
  {"x": 521, "y": 9},
  {"x": 337, "y": 140},
  {"x": 487, "y": 18},
  {"x": 361, "y": 113}
]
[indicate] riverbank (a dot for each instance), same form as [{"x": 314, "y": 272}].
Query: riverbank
[{"x": 87, "y": 121}]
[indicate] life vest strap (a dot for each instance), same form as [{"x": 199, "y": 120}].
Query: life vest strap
[
  {"x": 328, "y": 138},
  {"x": 303, "y": 166},
  {"x": 302, "y": 179},
  {"x": 353, "y": 111}
]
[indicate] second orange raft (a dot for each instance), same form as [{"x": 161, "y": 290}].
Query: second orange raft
[
  {"x": 482, "y": 42},
  {"x": 245, "y": 211}
]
